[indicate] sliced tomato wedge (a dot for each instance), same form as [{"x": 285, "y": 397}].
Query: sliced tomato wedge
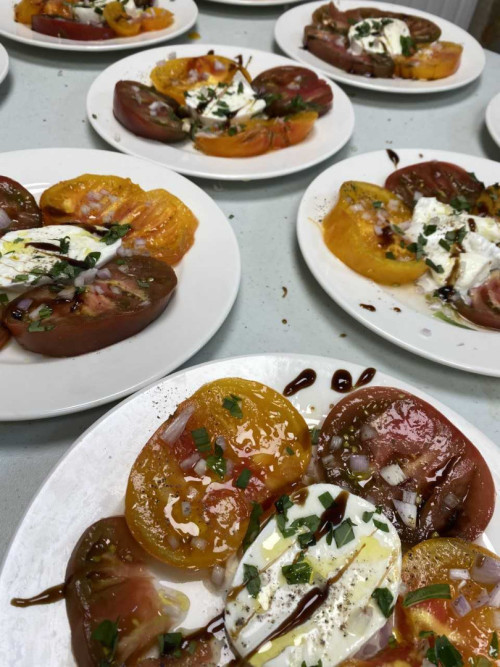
[
  {"x": 425, "y": 474},
  {"x": 18, "y": 208},
  {"x": 447, "y": 182},
  {"x": 114, "y": 609},
  {"x": 63, "y": 321},
  {"x": 484, "y": 307},
  {"x": 259, "y": 136},
  {"x": 192, "y": 489},
  {"x": 68, "y": 29}
]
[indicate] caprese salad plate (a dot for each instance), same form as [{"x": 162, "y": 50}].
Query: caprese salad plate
[
  {"x": 419, "y": 264},
  {"x": 220, "y": 112},
  {"x": 493, "y": 118},
  {"x": 95, "y": 25},
  {"x": 4, "y": 63},
  {"x": 380, "y": 46},
  {"x": 255, "y": 3},
  {"x": 263, "y": 510},
  {"x": 104, "y": 274}
]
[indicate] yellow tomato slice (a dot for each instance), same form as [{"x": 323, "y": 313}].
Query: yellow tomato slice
[
  {"x": 358, "y": 231},
  {"x": 259, "y": 136},
  {"x": 488, "y": 202},
  {"x": 161, "y": 223},
  {"x": 175, "y": 77},
  {"x": 118, "y": 20},
  {"x": 156, "y": 18},
  {"x": 431, "y": 61},
  {"x": 187, "y": 507}
]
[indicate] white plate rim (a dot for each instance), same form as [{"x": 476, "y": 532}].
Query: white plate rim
[
  {"x": 493, "y": 118},
  {"x": 117, "y": 44},
  {"x": 200, "y": 166},
  {"x": 4, "y": 63},
  {"x": 255, "y": 3},
  {"x": 215, "y": 226},
  {"x": 314, "y": 249},
  {"x": 302, "y": 13},
  {"x": 193, "y": 377}
]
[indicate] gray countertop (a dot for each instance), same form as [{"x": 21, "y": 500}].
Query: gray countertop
[{"x": 42, "y": 104}]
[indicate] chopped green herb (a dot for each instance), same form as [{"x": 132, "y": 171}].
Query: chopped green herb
[
  {"x": 115, "y": 233},
  {"x": 432, "y": 592},
  {"x": 201, "y": 439},
  {"x": 377, "y": 204},
  {"x": 217, "y": 462},
  {"x": 311, "y": 522},
  {"x": 170, "y": 643},
  {"x": 231, "y": 132},
  {"x": 120, "y": 261},
  {"x": 318, "y": 664},
  {"x": 384, "y": 599},
  {"x": 326, "y": 499},
  {"x": 460, "y": 203},
  {"x": 435, "y": 267},
  {"x": 44, "y": 312},
  {"x": 37, "y": 327},
  {"x": 306, "y": 540},
  {"x": 251, "y": 579},
  {"x": 232, "y": 405},
  {"x": 444, "y": 653},
  {"x": 243, "y": 478},
  {"x": 343, "y": 534},
  {"x": 4, "y": 298},
  {"x": 281, "y": 523},
  {"x": 367, "y": 516},
  {"x": 142, "y": 283},
  {"x": 429, "y": 229},
  {"x": 393, "y": 642},
  {"x": 390, "y": 255},
  {"x": 20, "y": 278},
  {"x": 315, "y": 431},
  {"x": 289, "y": 451},
  {"x": 91, "y": 259},
  {"x": 444, "y": 244},
  {"x": 253, "y": 525},
  {"x": 493, "y": 647},
  {"x": 64, "y": 245},
  {"x": 191, "y": 647},
  {"x": 407, "y": 45},
  {"x": 106, "y": 633},
  {"x": 381, "y": 526},
  {"x": 282, "y": 505},
  {"x": 297, "y": 573},
  {"x": 240, "y": 87},
  {"x": 298, "y": 104}
]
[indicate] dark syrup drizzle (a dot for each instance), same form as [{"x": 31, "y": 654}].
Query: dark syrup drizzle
[
  {"x": 304, "y": 379},
  {"x": 368, "y": 306},
  {"x": 342, "y": 380},
  {"x": 393, "y": 156},
  {"x": 50, "y": 595}
]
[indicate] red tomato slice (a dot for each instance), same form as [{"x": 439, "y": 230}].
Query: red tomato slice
[
  {"x": 443, "y": 180},
  {"x": 107, "y": 582},
  {"x": 454, "y": 489},
  {"x": 18, "y": 208},
  {"x": 4, "y": 332},
  {"x": 484, "y": 308},
  {"x": 62, "y": 321},
  {"x": 55, "y": 27}
]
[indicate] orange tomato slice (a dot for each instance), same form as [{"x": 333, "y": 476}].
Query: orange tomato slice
[
  {"x": 431, "y": 61},
  {"x": 175, "y": 77},
  {"x": 156, "y": 18},
  {"x": 119, "y": 21},
  {"x": 162, "y": 224},
  {"x": 187, "y": 510},
  {"x": 358, "y": 231},
  {"x": 26, "y": 9},
  {"x": 259, "y": 136}
]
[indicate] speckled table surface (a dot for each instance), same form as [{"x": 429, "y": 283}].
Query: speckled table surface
[{"x": 42, "y": 104}]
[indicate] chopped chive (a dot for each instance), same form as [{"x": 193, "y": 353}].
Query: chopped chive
[
  {"x": 232, "y": 405},
  {"x": 243, "y": 478},
  {"x": 253, "y": 525},
  {"x": 201, "y": 439}
]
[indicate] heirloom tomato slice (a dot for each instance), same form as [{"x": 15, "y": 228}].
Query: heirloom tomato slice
[{"x": 437, "y": 60}]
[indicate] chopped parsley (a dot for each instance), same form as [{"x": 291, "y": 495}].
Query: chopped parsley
[
  {"x": 251, "y": 579},
  {"x": 311, "y": 522},
  {"x": 20, "y": 278},
  {"x": 384, "y": 599},
  {"x": 115, "y": 233},
  {"x": 297, "y": 573},
  {"x": 44, "y": 312},
  {"x": 232, "y": 405},
  {"x": 456, "y": 235},
  {"x": 243, "y": 478},
  {"x": 432, "y": 592},
  {"x": 201, "y": 439},
  {"x": 344, "y": 533},
  {"x": 253, "y": 525},
  {"x": 298, "y": 104},
  {"x": 282, "y": 505},
  {"x": 444, "y": 244}
]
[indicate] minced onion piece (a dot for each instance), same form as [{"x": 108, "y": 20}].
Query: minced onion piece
[
  {"x": 486, "y": 570},
  {"x": 190, "y": 461},
  {"x": 407, "y": 512},
  {"x": 482, "y": 599},
  {"x": 186, "y": 508},
  {"x": 451, "y": 501},
  {"x": 79, "y": 280},
  {"x": 335, "y": 442},
  {"x": 366, "y": 432},
  {"x": 459, "y": 573},
  {"x": 24, "y": 304},
  {"x": 35, "y": 313},
  {"x": 177, "y": 426},
  {"x": 359, "y": 463},
  {"x": 218, "y": 575},
  {"x": 199, "y": 543},
  {"x": 98, "y": 289},
  {"x": 124, "y": 252},
  {"x": 461, "y": 606},
  {"x": 192, "y": 492},
  {"x": 327, "y": 460},
  {"x": 66, "y": 293},
  {"x": 221, "y": 441},
  {"x": 201, "y": 467},
  {"x": 173, "y": 542},
  {"x": 229, "y": 467},
  {"x": 495, "y": 596},
  {"x": 409, "y": 497},
  {"x": 393, "y": 474},
  {"x": 4, "y": 219},
  {"x": 116, "y": 290},
  {"x": 104, "y": 273}
]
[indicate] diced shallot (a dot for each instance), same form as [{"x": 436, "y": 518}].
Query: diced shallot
[
  {"x": 173, "y": 542},
  {"x": 486, "y": 570},
  {"x": 495, "y": 596},
  {"x": 177, "y": 426},
  {"x": 4, "y": 219},
  {"x": 66, "y": 293},
  {"x": 451, "y": 501},
  {"x": 190, "y": 461},
  {"x": 481, "y": 600},
  {"x": 35, "y": 313},
  {"x": 186, "y": 508},
  {"x": 407, "y": 512},
  {"x": 459, "y": 573},
  {"x": 335, "y": 443},
  {"x": 328, "y": 460},
  {"x": 359, "y": 463},
  {"x": 461, "y": 606},
  {"x": 201, "y": 467},
  {"x": 199, "y": 543},
  {"x": 104, "y": 273},
  {"x": 393, "y": 474},
  {"x": 367, "y": 432},
  {"x": 221, "y": 441},
  {"x": 218, "y": 575},
  {"x": 24, "y": 304},
  {"x": 124, "y": 252},
  {"x": 409, "y": 497}
]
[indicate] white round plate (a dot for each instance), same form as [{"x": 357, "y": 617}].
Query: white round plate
[
  {"x": 256, "y": 3},
  {"x": 186, "y": 13},
  {"x": 4, "y": 62},
  {"x": 289, "y": 30},
  {"x": 493, "y": 118},
  {"x": 330, "y": 132},
  {"x": 40, "y": 386},
  {"x": 56, "y": 518},
  {"x": 414, "y": 328}
]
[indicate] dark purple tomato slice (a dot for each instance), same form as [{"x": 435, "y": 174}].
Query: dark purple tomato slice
[
  {"x": 61, "y": 321},
  {"x": 18, "y": 208},
  {"x": 147, "y": 113},
  {"x": 67, "y": 29},
  {"x": 484, "y": 308},
  {"x": 447, "y": 182},
  {"x": 399, "y": 452},
  {"x": 291, "y": 89}
]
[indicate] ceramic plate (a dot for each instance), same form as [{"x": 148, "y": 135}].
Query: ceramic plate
[
  {"x": 4, "y": 63},
  {"x": 414, "y": 328},
  {"x": 330, "y": 133},
  {"x": 289, "y": 31},
  {"x": 101, "y": 459},
  {"x": 256, "y": 3},
  {"x": 493, "y": 118},
  {"x": 186, "y": 13},
  {"x": 205, "y": 293}
]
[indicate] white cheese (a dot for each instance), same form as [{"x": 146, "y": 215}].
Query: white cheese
[
  {"x": 346, "y": 575},
  {"x": 18, "y": 260},
  {"x": 85, "y": 12},
  {"x": 470, "y": 268},
  {"x": 378, "y": 36}
]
